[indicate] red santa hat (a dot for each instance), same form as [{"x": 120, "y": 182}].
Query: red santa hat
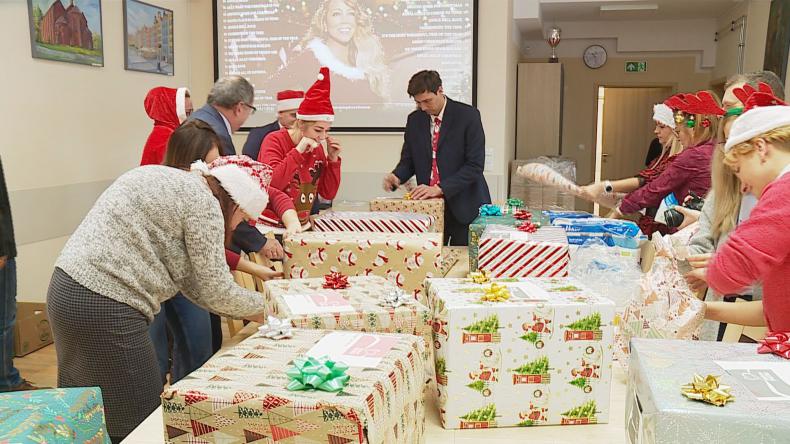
[
  {"x": 316, "y": 105},
  {"x": 289, "y": 99},
  {"x": 244, "y": 179}
]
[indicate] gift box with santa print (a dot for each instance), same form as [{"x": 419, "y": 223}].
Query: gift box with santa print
[
  {"x": 496, "y": 215},
  {"x": 431, "y": 207},
  {"x": 403, "y": 259},
  {"x": 254, "y": 392},
  {"x": 541, "y": 356},
  {"x": 505, "y": 251},
  {"x": 368, "y": 303},
  {"x": 374, "y": 221}
]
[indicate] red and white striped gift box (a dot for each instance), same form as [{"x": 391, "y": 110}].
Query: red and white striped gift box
[
  {"x": 507, "y": 252},
  {"x": 375, "y": 221}
]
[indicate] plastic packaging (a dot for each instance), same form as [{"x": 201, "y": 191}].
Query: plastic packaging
[
  {"x": 608, "y": 271},
  {"x": 613, "y": 232}
]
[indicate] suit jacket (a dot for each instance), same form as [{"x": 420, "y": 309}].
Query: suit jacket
[
  {"x": 460, "y": 157},
  {"x": 7, "y": 242},
  {"x": 210, "y": 115},
  {"x": 253, "y": 144}
]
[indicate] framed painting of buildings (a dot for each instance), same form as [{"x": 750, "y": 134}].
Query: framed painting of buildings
[
  {"x": 66, "y": 31},
  {"x": 777, "y": 39},
  {"x": 148, "y": 38}
]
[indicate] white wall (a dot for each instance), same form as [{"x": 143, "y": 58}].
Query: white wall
[
  {"x": 69, "y": 130},
  {"x": 756, "y": 13}
]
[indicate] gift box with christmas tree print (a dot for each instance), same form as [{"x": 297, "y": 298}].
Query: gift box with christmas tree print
[
  {"x": 369, "y": 303},
  {"x": 537, "y": 353},
  {"x": 403, "y": 259},
  {"x": 370, "y": 390}
]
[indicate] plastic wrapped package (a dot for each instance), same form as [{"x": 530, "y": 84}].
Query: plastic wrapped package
[
  {"x": 614, "y": 232},
  {"x": 608, "y": 271},
  {"x": 540, "y": 196}
]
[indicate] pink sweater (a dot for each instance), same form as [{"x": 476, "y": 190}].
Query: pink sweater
[{"x": 759, "y": 250}]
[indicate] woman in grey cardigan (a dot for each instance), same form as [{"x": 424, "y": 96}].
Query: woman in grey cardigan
[{"x": 154, "y": 232}]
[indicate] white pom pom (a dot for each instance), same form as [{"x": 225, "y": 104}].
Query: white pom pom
[
  {"x": 320, "y": 76},
  {"x": 200, "y": 167}
]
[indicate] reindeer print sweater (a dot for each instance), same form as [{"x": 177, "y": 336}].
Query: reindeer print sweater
[{"x": 301, "y": 176}]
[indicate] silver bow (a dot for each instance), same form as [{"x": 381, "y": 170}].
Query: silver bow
[
  {"x": 276, "y": 328},
  {"x": 395, "y": 298}
]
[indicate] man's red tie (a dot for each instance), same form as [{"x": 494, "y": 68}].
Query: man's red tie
[{"x": 435, "y": 148}]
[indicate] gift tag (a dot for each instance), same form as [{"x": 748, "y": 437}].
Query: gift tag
[
  {"x": 354, "y": 349},
  {"x": 316, "y": 303}
]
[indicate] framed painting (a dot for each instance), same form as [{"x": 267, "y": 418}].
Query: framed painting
[
  {"x": 777, "y": 40},
  {"x": 148, "y": 38},
  {"x": 66, "y": 31}
]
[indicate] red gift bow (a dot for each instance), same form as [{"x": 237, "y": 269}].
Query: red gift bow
[
  {"x": 527, "y": 227},
  {"x": 335, "y": 281},
  {"x": 777, "y": 343},
  {"x": 522, "y": 215}
]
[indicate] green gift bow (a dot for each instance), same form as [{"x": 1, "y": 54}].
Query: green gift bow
[
  {"x": 317, "y": 374},
  {"x": 515, "y": 203},
  {"x": 490, "y": 210}
]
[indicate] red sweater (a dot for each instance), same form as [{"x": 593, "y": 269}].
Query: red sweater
[
  {"x": 298, "y": 175},
  {"x": 688, "y": 172},
  {"x": 160, "y": 105},
  {"x": 759, "y": 250}
]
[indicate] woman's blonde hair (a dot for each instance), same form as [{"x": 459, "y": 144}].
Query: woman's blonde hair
[
  {"x": 727, "y": 187},
  {"x": 778, "y": 137},
  {"x": 673, "y": 146},
  {"x": 365, "y": 49}
]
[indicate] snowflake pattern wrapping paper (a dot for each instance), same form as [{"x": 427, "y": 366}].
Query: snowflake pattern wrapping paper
[{"x": 543, "y": 356}]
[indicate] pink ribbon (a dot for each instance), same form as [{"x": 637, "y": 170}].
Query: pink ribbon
[{"x": 777, "y": 343}]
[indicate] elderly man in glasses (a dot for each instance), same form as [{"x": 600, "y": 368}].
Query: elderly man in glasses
[{"x": 228, "y": 106}]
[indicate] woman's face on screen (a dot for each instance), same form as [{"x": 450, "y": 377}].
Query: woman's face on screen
[{"x": 341, "y": 21}]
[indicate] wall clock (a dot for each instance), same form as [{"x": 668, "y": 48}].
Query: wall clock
[{"x": 594, "y": 56}]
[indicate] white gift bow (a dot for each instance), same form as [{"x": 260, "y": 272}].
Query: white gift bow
[
  {"x": 276, "y": 328},
  {"x": 395, "y": 299}
]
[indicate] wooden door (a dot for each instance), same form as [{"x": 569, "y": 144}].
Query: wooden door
[{"x": 627, "y": 129}]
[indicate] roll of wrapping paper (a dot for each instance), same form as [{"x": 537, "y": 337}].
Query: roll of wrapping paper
[{"x": 545, "y": 175}]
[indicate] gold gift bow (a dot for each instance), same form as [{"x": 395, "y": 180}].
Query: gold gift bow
[
  {"x": 479, "y": 277},
  {"x": 707, "y": 389},
  {"x": 495, "y": 293}
]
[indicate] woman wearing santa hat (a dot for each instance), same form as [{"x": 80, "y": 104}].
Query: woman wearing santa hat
[
  {"x": 668, "y": 136},
  {"x": 301, "y": 167},
  {"x": 758, "y": 152},
  {"x": 168, "y": 108},
  {"x": 154, "y": 232}
]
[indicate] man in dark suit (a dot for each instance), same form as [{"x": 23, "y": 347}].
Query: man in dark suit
[
  {"x": 287, "y": 103},
  {"x": 444, "y": 146}
]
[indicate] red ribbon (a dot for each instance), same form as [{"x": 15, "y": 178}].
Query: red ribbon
[
  {"x": 527, "y": 227},
  {"x": 777, "y": 343},
  {"x": 522, "y": 215},
  {"x": 335, "y": 281}
]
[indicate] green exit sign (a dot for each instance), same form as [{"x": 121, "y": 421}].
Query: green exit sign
[{"x": 636, "y": 66}]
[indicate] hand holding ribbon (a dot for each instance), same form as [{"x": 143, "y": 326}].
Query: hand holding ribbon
[
  {"x": 276, "y": 329},
  {"x": 707, "y": 389},
  {"x": 336, "y": 281},
  {"x": 777, "y": 343},
  {"x": 317, "y": 374},
  {"x": 495, "y": 293}
]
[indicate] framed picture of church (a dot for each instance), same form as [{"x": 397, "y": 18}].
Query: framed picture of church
[
  {"x": 67, "y": 31},
  {"x": 148, "y": 38}
]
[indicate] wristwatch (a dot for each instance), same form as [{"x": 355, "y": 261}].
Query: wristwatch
[{"x": 608, "y": 187}]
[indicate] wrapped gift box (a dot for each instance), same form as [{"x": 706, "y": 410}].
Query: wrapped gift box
[
  {"x": 376, "y": 221},
  {"x": 613, "y": 232},
  {"x": 403, "y": 259},
  {"x": 240, "y": 395},
  {"x": 506, "y": 252},
  {"x": 431, "y": 207},
  {"x": 542, "y": 357},
  {"x": 476, "y": 230},
  {"x": 51, "y": 416},
  {"x": 356, "y": 308},
  {"x": 656, "y": 411}
]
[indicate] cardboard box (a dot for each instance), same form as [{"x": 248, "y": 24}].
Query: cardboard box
[
  {"x": 431, "y": 207},
  {"x": 64, "y": 415},
  {"x": 31, "y": 330},
  {"x": 240, "y": 395},
  {"x": 403, "y": 259},
  {"x": 542, "y": 357},
  {"x": 656, "y": 412}
]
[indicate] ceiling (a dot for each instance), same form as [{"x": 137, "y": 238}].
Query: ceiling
[{"x": 589, "y": 10}]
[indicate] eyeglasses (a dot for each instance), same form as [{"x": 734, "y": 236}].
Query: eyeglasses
[{"x": 250, "y": 107}]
